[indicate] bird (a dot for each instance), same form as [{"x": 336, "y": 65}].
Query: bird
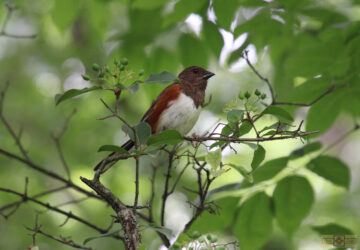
[{"x": 177, "y": 107}]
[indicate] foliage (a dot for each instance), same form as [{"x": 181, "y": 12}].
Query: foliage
[{"x": 238, "y": 182}]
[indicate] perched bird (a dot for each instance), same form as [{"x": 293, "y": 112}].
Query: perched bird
[{"x": 177, "y": 107}]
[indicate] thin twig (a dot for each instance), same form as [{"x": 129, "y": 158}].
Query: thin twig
[
  {"x": 53, "y": 208},
  {"x": 136, "y": 183},
  {"x": 58, "y": 146},
  {"x": 49, "y": 173},
  {"x": 325, "y": 93},
  {"x": 340, "y": 139},
  {"x": 166, "y": 187},
  {"x": 266, "y": 80},
  {"x": 260, "y": 139},
  {"x": 60, "y": 239}
]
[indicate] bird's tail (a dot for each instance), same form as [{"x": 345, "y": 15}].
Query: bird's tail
[{"x": 127, "y": 146}]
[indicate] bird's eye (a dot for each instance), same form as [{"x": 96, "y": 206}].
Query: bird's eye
[{"x": 195, "y": 71}]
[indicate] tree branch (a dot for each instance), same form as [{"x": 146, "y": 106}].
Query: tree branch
[
  {"x": 53, "y": 208},
  {"x": 49, "y": 173},
  {"x": 239, "y": 140},
  {"x": 125, "y": 216},
  {"x": 60, "y": 239}
]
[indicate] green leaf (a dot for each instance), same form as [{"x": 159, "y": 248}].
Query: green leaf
[
  {"x": 225, "y": 12},
  {"x": 217, "y": 144},
  {"x": 307, "y": 149},
  {"x": 280, "y": 113},
  {"x": 70, "y": 7},
  {"x": 170, "y": 137},
  {"x": 276, "y": 125},
  {"x": 332, "y": 229},
  {"x": 323, "y": 113},
  {"x": 164, "y": 230},
  {"x": 213, "y": 37},
  {"x": 143, "y": 132},
  {"x": 317, "y": 59},
  {"x": 269, "y": 169},
  {"x": 214, "y": 158},
  {"x": 242, "y": 170},
  {"x": 113, "y": 148},
  {"x": 183, "y": 239},
  {"x": 147, "y": 5},
  {"x": 293, "y": 198},
  {"x": 72, "y": 93},
  {"x": 253, "y": 225},
  {"x": 182, "y": 9},
  {"x": 265, "y": 172},
  {"x": 227, "y": 130},
  {"x": 244, "y": 128},
  {"x": 134, "y": 87},
  {"x": 161, "y": 78},
  {"x": 259, "y": 156},
  {"x": 192, "y": 51},
  {"x": 234, "y": 115},
  {"x": 129, "y": 131},
  {"x": 101, "y": 236},
  {"x": 332, "y": 169}
]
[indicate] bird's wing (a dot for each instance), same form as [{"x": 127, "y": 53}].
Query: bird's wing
[{"x": 160, "y": 104}]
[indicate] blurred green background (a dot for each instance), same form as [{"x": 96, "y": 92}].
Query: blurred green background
[{"x": 302, "y": 46}]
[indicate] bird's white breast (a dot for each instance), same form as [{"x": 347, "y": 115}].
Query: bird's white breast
[{"x": 181, "y": 115}]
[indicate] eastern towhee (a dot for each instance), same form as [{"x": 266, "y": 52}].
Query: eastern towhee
[{"x": 177, "y": 107}]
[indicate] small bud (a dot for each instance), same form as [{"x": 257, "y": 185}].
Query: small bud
[
  {"x": 121, "y": 67},
  {"x": 101, "y": 74},
  {"x": 263, "y": 96},
  {"x": 195, "y": 234},
  {"x": 86, "y": 77},
  {"x": 257, "y": 92},
  {"x": 107, "y": 69},
  {"x": 141, "y": 72},
  {"x": 247, "y": 95},
  {"x": 241, "y": 96},
  {"x": 124, "y": 61},
  {"x": 176, "y": 245},
  {"x": 96, "y": 67},
  {"x": 213, "y": 239},
  {"x": 209, "y": 237},
  {"x": 116, "y": 62}
]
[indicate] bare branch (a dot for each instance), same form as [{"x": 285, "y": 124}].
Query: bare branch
[
  {"x": 53, "y": 208},
  {"x": 166, "y": 187},
  {"x": 49, "y": 173},
  {"x": 63, "y": 240},
  {"x": 343, "y": 137},
  {"x": 125, "y": 216},
  {"x": 239, "y": 140},
  {"x": 18, "y": 203},
  {"x": 136, "y": 183},
  {"x": 325, "y": 93},
  {"x": 58, "y": 146}
]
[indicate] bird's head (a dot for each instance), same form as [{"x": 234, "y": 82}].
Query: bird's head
[{"x": 195, "y": 74}]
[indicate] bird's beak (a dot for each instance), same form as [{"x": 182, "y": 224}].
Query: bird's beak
[{"x": 207, "y": 75}]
